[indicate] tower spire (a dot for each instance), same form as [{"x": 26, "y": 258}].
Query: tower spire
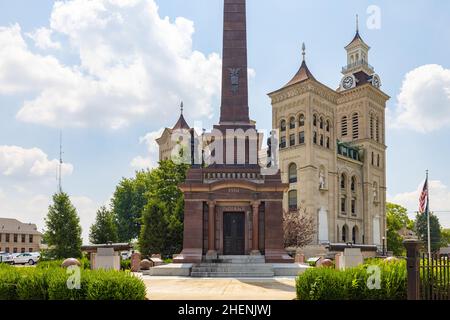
[
  {"x": 357, "y": 23},
  {"x": 181, "y": 107},
  {"x": 304, "y": 51}
]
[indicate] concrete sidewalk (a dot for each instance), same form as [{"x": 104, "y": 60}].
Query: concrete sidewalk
[{"x": 177, "y": 288}]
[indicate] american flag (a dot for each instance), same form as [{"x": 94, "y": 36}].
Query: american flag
[{"x": 423, "y": 200}]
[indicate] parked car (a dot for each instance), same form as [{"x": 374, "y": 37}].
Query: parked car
[
  {"x": 125, "y": 255},
  {"x": 5, "y": 257},
  {"x": 25, "y": 258}
]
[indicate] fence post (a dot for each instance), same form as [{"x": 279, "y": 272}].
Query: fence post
[{"x": 413, "y": 267}]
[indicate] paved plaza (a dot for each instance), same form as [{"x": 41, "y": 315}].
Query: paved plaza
[{"x": 177, "y": 288}]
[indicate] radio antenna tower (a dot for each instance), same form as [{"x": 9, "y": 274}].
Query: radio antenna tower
[{"x": 60, "y": 163}]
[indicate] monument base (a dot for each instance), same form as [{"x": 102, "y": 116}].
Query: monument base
[
  {"x": 189, "y": 256},
  {"x": 278, "y": 256}
]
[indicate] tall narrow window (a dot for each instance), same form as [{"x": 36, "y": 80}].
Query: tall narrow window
[
  {"x": 292, "y": 195},
  {"x": 371, "y": 127},
  {"x": 321, "y": 123},
  {"x": 353, "y": 184},
  {"x": 344, "y": 128},
  {"x": 292, "y": 173},
  {"x": 315, "y": 121},
  {"x": 301, "y": 120},
  {"x": 328, "y": 126},
  {"x": 321, "y": 140},
  {"x": 283, "y": 142},
  {"x": 377, "y": 130},
  {"x": 343, "y": 182},
  {"x": 328, "y": 142},
  {"x": 292, "y": 123},
  {"x": 315, "y": 137},
  {"x": 353, "y": 207},
  {"x": 292, "y": 140},
  {"x": 378, "y": 160},
  {"x": 355, "y": 234},
  {"x": 344, "y": 233},
  {"x": 283, "y": 125},
  {"x": 355, "y": 126},
  {"x": 301, "y": 137}
]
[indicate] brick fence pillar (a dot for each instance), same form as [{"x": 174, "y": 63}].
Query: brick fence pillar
[{"x": 413, "y": 268}]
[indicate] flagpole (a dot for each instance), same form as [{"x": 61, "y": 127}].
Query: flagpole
[{"x": 428, "y": 218}]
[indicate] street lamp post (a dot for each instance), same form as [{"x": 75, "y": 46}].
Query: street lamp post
[{"x": 384, "y": 246}]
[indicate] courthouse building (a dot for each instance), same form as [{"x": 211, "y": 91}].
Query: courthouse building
[{"x": 332, "y": 156}]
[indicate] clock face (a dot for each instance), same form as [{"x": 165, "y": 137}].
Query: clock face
[
  {"x": 376, "y": 82},
  {"x": 348, "y": 82}
]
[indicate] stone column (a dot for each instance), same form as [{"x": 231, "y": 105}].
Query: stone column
[
  {"x": 255, "y": 237},
  {"x": 212, "y": 253}
]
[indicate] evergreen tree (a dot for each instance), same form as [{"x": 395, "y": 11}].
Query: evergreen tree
[
  {"x": 104, "y": 229},
  {"x": 63, "y": 230},
  {"x": 154, "y": 229},
  {"x": 421, "y": 226}
]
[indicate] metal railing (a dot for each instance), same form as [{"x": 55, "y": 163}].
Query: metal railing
[{"x": 356, "y": 64}]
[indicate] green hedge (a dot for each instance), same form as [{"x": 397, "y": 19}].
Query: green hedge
[
  {"x": 352, "y": 284},
  {"x": 48, "y": 282}
]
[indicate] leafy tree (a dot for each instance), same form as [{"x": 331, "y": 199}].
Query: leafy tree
[
  {"x": 299, "y": 228},
  {"x": 445, "y": 237},
  {"x": 166, "y": 198},
  {"x": 63, "y": 234},
  {"x": 128, "y": 201},
  {"x": 104, "y": 229},
  {"x": 397, "y": 221},
  {"x": 421, "y": 227}
]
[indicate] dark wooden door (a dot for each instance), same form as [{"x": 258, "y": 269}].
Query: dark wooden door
[{"x": 234, "y": 233}]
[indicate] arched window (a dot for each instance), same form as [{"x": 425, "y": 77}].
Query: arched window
[
  {"x": 328, "y": 142},
  {"x": 283, "y": 125},
  {"x": 328, "y": 126},
  {"x": 353, "y": 207},
  {"x": 321, "y": 123},
  {"x": 344, "y": 234},
  {"x": 292, "y": 195},
  {"x": 301, "y": 120},
  {"x": 355, "y": 234},
  {"x": 292, "y": 173},
  {"x": 378, "y": 160},
  {"x": 314, "y": 120},
  {"x": 292, "y": 123},
  {"x": 343, "y": 181},
  {"x": 373, "y": 159},
  {"x": 355, "y": 126},
  {"x": 322, "y": 140},
  {"x": 344, "y": 128},
  {"x": 353, "y": 184},
  {"x": 315, "y": 137}
]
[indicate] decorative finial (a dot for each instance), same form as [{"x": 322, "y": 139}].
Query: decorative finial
[
  {"x": 303, "y": 51},
  {"x": 181, "y": 107},
  {"x": 357, "y": 23}
]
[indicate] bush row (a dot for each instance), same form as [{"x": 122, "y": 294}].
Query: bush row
[
  {"x": 48, "y": 282},
  {"x": 385, "y": 282}
]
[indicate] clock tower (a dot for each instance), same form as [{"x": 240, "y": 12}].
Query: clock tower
[{"x": 358, "y": 70}]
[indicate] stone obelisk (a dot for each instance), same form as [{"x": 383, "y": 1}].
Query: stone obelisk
[{"x": 234, "y": 109}]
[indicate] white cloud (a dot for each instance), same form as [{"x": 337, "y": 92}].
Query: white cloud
[
  {"x": 152, "y": 158},
  {"x": 133, "y": 66},
  {"x": 87, "y": 210},
  {"x": 439, "y": 201},
  {"x": 20, "y": 162},
  {"x": 42, "y": 38},
  {"x": 424, "y": 100}
]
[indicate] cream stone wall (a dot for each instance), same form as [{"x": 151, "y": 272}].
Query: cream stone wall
[{"x": 310, "y": 98}]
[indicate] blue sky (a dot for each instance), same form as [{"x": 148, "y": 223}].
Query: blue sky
[{"x": 149, "y": 64}]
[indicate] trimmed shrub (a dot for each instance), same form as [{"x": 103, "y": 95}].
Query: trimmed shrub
[
  {"x": 125, "y": 264},
  {"x": 48, "y": 281},
  {"x": 354, "y": 284}
]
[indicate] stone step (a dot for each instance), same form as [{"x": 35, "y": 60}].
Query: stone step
[
  {"x": 242, "y": 259},
  {"x": 232, "y": 275},
  {"x": 231, "y": 270}
]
